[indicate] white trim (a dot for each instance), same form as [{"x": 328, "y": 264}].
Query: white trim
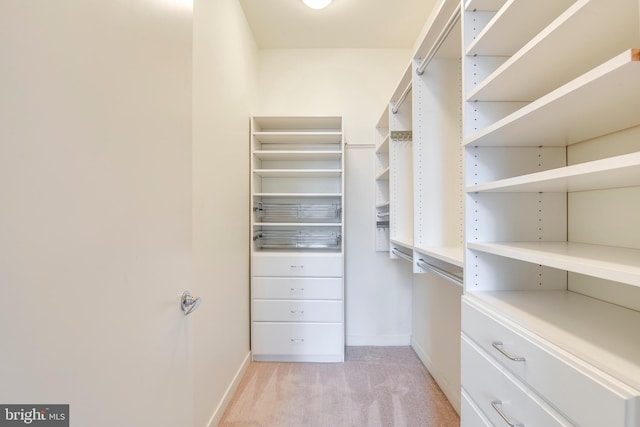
[
  {"x": 378, "y": 340},
  {"x": 228, "y": 395},
  {"x": 453, "y": 394}
]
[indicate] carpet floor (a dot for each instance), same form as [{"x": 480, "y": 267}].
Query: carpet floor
[{"x": 375, "y": 387}]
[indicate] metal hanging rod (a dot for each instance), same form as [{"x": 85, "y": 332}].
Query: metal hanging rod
[
  {"x": 453, "y": 20},
  {"x": 402, "y": 255},
  {"x": 400, "y": 100},
  {"x": 440, "y": 272}
]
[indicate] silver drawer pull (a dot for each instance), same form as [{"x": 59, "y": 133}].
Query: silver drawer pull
[
  {"x": 297, "y": 340},
  {"x": 498, "y": 346},
  {"x": 297, "y": 312},
  {"x": 506, "y": 419},
  {"x": 297, "y": 290}
]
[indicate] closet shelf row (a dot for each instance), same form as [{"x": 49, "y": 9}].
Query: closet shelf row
[
  {"x": 551, "y": 46},
  {"x": 568, "y": 115},
  {"x": 296, "y": 195},
  {"x": 298, "y": 239},
  {"x": 612, "y": 172},
  {"x": 277, "y": 212},
  {"x": 298, "y": 137},
  {"x": 288, "y": 155},
  {"x": 606, "y": 262},
  {"x": 297, "y": 173},
  {"x": 528, "y": 18}
]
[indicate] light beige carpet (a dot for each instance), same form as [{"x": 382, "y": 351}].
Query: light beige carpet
[{"x": 376, "y": 386}]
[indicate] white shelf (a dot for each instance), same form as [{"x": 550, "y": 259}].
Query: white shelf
[
  {"x": 613, "y": 172},
  {"x": 553, "y": 46},
  {"x": 288, "y": 123},
  {"x": 384, "y": 204},
  {"x": 451, "y": 254},
  {"x": 522, "y": 20},
  {"x": 384, "y": 145},
  {"x": 405, "y": 245},
  {"x": 298, "y": 173},
  {"x": 606, "y": 262},
  {"x": 485, "y": 5},
  {"x": 595, "y": 331},
  {"x": 297, "y": 155},
  {"x": 297, "y": 224},
  {"x": 384, "y": 175},
  {"x": 298, "y": 195},
  {"x": 298, "y": 137},
  {"x": 568, "y": 114}
]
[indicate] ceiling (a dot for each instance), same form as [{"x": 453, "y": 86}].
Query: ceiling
[{"x": 289, "y": 24}]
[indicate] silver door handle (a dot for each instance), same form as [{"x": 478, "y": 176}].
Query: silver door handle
[{"x": 189, "y": 304}]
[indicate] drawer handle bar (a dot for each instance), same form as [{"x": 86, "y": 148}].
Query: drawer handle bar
[
  {"x": 506, "y": 419},
  {"x": 498, "y": 346},
  {"x": 299, "y": 340}
]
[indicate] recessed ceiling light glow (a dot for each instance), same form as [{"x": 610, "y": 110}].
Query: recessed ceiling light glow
[{"x": 317, "y": 4}]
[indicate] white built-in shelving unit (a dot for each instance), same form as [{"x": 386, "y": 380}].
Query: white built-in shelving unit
[
  {"x": 382, "y": 169},
  {"x": 297, "y": 257},
  {"x": 552, "y": 183}
]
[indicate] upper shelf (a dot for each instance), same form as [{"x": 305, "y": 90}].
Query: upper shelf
[
  {"x": 521, "y": 20},
  {"x": 287, "y": 124},
  {"x": 613, "y": 172},
  {"x": 569, "y": 114},
  {"x": 384, "y": 175},
  {"x": 451, "y": 254},
  {"x": 558, "y": 54},
  {"x": 297, "y": 155},
  {"x": 606, "y": 262},
  {"x": 298, "y": 137}
]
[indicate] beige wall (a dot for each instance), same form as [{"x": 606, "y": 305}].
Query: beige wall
[{"x": 224, "y": 84}]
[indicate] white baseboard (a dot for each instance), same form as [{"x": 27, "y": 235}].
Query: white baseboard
[
  {"x": 228, "y": 395},
  {"x": 452, "y": 393},
  {"x": 378, "y": 340}
]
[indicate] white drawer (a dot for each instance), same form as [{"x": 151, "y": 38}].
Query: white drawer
[
  {"x": 297, "y": 265},
  {"x": 330, "y": 288},
  {"x": 297, "y": 311},
  {"x": 320, "y": 342},
  {"x": 584, "y": 394},
  {"x": 470, "y": 414},
  {"x": 494, "y": 390}
]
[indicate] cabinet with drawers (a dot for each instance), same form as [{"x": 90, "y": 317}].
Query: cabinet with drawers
[
  {"x": 297, "y": 257},
  {"x": 551, "y": 305}
]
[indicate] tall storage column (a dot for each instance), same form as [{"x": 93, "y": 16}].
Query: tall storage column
[{"x": 297, "y": 256}]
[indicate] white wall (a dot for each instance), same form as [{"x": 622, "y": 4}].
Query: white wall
[
  {"x": 354, "y": 83},
  {"x": 95, "y": 208},
  {"x": 223, "y": 87}
]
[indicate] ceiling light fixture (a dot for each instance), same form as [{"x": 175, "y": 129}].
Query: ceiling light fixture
[{"x": 317, "y": 4}]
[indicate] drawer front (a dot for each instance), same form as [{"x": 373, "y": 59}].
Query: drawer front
[
  {"x": 470, "y": 414},
  {"x": 582, "y": 393},
  {"x": 327, "y": 288},
  {"x": 297, "y": 311},
  {"x": 297, "y": 265},
  {"x": 289, "y": 341},
  {"x": 494, "y": 391}
]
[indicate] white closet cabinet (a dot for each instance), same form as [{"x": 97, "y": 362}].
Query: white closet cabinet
[
  {"x": 297, "y": 257},
  {"x": 382, "y": 169},
  {"x": 550, "y": 313}
]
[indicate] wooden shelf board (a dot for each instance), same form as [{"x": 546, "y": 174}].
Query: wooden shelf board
[
  {"x": 613, "y": 172},
  {"x": 405, "y": 245},
  {"x": 288, "y": 123},
  {"x": 384, "y": 175},
  {"x": 384, "y": 145},
  {"x": 300, "y": 195},
  {"x": 297, "y": 155},
  {"x": 567, "y": 319},
  {"x": 297, "y": 173},
  {"x": 568, "y": 114},
  {"x": 605, "y": 262},
  {"x": 384, "y": 204},
  {"x": 549, "y": 48},
  {"x": 521, "y": 20},
  {"x": 451, "y": 254},
  {"x": 298, "y": 137}
]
